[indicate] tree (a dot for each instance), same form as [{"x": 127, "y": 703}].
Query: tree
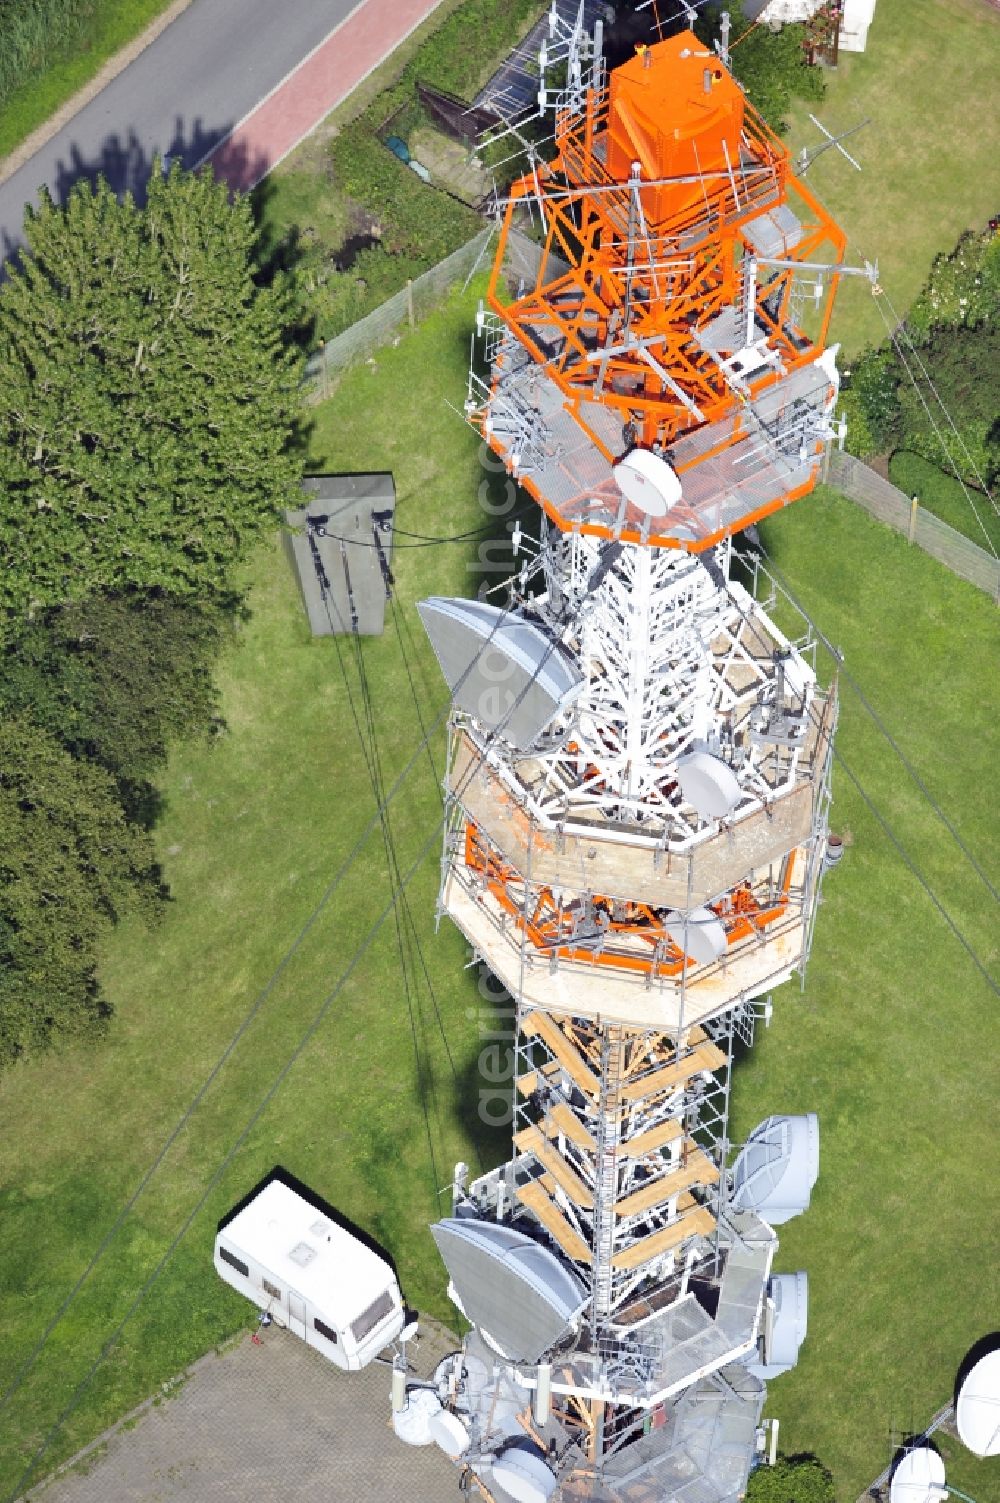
[
  {"x": 70, "y": 867},
  {"x": 793, "y": 1479},
  {"x": 116, "y": 679},
  {"x": 772, "y": 66},
  {"x": 950, "y": 344},
  {"x": 149, "y": 400}
]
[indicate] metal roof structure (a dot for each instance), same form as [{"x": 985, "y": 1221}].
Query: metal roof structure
[{"x": 340, "y": 548}]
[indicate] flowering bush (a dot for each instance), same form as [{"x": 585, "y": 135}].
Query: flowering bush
[{"x": 963, "y": 289}]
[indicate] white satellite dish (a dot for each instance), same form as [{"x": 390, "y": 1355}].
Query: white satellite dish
[
  {"x": 708, "y": 784},
  {"x": 977, "y": 1413},
  {"x": 698, "y": 933},
  {"x": 648, "y": 482},
  {"x": 918, "y": 1478},
  {"x": 523, "y": 1475},
  {"x": 412, "y": 1423},
  {"x": 448, "y": 1432}
]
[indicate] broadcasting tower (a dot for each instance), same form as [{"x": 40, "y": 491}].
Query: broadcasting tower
[{"x": 638, "y": 784}]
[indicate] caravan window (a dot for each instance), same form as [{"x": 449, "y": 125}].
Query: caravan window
[
  {"x": 271, "y": 1289},
  {"x": 233, "y": 1261},
  {"x": 325, "y": 1330},
  {"x": 372, "y": 1317}
]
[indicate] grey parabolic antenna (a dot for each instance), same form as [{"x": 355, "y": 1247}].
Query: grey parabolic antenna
[
  {"x": 977, "y": 1413},
  {"x": 698, "y": 933},
  {"x": 777, "y": 1167},
  {"x": 502, "y": 669},
  {"x": 790, "y": 1322},
  {"x": 918, "y": 1478},
  {"x": 509, "y": 1285},
  {"x": 708, "y": 784}
]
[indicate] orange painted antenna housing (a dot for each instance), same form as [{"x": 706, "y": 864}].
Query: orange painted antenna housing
[{"x": 666, "y": 313}]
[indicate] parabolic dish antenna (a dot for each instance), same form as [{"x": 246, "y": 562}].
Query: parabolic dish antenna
[
  {"x": 977, "y": 1413},
  {"x": 413, "y": 1422},
  {"x": 776, "y": 1168},
  {"x": 523, "y": 1475},
  {"x": 698, "y": 933},
  {"x": 648, "y": 482},
  {"x": 708, "y": 785},
  {"x": 918, "y": 1478},
  {"x": 448, "y": 1432}
]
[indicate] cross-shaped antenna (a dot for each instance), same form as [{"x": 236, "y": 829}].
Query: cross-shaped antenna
[{"x": 807, "y": 157}]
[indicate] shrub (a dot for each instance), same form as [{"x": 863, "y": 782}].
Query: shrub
[
  {"x": 961, "y": 361},
  {"x": 793, "y": 1479},
  {"x": 962, "y": 291},
  {"x": 871, "y": 397},
  {"x": 417, "y": 221}
]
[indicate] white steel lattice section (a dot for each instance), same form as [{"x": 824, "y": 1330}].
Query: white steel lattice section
[{"x": 673, "y": 663}]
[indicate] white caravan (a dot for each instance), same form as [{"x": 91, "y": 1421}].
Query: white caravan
[{"x": 312, "y": 1276}]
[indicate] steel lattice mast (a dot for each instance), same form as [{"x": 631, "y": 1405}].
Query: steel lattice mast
[{"x": 637, "y": 795}]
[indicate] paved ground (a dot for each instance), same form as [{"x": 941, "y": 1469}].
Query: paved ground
[
  {"x": 275, "y": 1423},
  {"x": 325, "y": 77},
  {"x": 189, "y": 90}
]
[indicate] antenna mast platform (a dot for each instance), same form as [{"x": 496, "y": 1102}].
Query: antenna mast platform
[{"x": 637, "y": 796}]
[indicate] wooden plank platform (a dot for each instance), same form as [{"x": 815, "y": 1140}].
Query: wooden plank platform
[
  {"x": 540, "y": 1025},
  {"x": 653, "y": 1138},
  {"x": 698, "y": 1169},
  {"x": 533, "y": 1140},
  {"x": 529, "y": 1084},
  {"x": 542, "y": 1207},
  {"x": 636, "y": 873},
  {"x": 577, "y": 990},
  {"x": 563, "y": 1118},
  {"x": 698, "y": 1221},
  {"x": 706, "y": 1056}
]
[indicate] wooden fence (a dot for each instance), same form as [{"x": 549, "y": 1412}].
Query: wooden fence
[
  {"x": 418, "y": 298},
  {"x": 885, "y": 501}
]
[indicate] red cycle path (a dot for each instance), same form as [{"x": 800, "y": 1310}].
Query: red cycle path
[{"x": 308, "y": 94}]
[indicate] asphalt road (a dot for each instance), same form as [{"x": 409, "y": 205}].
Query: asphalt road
[{"x": 180, "y": 97}]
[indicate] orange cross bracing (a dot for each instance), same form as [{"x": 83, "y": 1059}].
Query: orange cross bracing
[
  {"x": 550, "y": 926},
  {"x": 636, "y": 267}
]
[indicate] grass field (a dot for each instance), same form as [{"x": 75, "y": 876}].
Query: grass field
[
  {"x": 108, "y": 26},
  {"x": 891, "y": 1042},
  {"x": 929, "y": 155}
]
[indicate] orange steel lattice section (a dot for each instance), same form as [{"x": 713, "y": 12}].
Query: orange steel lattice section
[
  {"x": 650, "y": 208},
  {"x": 549, "y": 927}
]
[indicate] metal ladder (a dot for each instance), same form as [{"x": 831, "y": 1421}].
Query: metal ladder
[{"x": 606, "y": 1176}]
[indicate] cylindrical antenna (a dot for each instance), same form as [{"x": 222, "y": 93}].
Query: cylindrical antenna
[{"x": 543, "y": 1394}]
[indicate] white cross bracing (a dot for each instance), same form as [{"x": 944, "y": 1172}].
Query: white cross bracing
[{"x": 673, "y": 663}]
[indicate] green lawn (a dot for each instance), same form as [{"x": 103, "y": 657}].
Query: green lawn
[
  {"x": 108, "y": 25},
  {"x": 929, "y": 155},
  {"x": 894, "y": 1040},
  {"x": 890, "y": 1042}
]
